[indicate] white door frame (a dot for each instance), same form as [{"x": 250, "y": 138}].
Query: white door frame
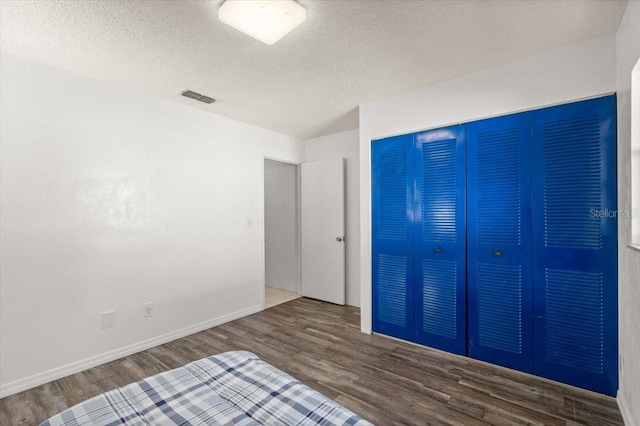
[{"x": 263, "y": 233}]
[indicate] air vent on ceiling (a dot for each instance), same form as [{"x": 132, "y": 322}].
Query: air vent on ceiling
[{"x": 198, "y": 97}]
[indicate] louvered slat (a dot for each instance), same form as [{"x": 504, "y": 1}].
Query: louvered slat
[
  {"x": 392, "y": 200},
  {"x": 439, "y": 297},
  {"x": 392, "y": 289},
  {"x": 575, "y": 332},
  {"x": 499, "y": 170},
  {"x": 572, "y": 183},
  {"x": 439, "y": 190},
  {"x": 500, "y": 307}
]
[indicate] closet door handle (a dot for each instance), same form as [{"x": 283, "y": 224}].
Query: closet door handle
[
  {"x": 497, "y": 253},
  {"x": 438, "y": 250}
]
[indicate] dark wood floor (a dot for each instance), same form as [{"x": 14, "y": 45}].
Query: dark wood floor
[{"x": 383, "y": 380}]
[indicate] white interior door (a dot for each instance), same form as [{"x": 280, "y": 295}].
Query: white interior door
[{"x": 323, "y": 245}]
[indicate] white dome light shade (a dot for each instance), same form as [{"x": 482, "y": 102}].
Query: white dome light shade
[{"x": 265, "y": 20}]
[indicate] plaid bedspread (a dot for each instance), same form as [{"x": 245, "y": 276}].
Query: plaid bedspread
[{"x": 233, "y": 388}]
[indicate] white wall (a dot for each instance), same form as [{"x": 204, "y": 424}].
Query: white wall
[
  {"x": 345, "y": 145},
  {"x": 628, "y": 52},
  {"x": 282, "y": 264},
  {"x": 553, "y": 77},
  {"x": 112, "y": 198}
]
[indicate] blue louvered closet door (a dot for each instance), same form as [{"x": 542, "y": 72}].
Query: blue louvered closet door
[
  {"x": 503, "y": 230},
  {"x": 440, "y": 255},
  {"x": 392, "y": 170},
  {"x": 499, "y": 241},
  {"x": 575, "y": 244}
]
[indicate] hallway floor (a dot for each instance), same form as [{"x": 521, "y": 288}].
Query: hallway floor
[{"x": 275, "y": 296}]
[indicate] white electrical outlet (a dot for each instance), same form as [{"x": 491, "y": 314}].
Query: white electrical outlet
[
  {"x": 147, "y": 309},
  {"x": 108, "y": 319}
]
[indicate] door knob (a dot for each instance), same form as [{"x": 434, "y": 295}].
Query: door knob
[
  {"x": 497, "y": 253},
  {"x": 438, "y": 249},
  {"x": 338, "y": 239}
]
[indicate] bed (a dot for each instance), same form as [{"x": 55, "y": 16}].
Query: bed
[{"x": 233, "y": 388}]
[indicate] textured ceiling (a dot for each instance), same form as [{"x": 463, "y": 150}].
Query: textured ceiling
[{"x": 310, "y": 82}]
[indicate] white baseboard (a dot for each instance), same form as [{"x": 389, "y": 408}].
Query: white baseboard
[
  {"x": 624, "y": 410},
  {"x": 75, "y": 367}
]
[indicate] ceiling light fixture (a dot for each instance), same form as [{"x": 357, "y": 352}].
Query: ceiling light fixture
[{"x": 265, "y": 20}]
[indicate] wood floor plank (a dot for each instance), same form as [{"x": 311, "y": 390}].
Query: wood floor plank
[
  {"x": 374, "y": 414},
  {"x": 50, "y": 398},
  {"x": 76, "y": 388},
  {"x": 4, "y": 414},
  {"x": 386, "y": 381},
  {"x": 18, "y": 410}
]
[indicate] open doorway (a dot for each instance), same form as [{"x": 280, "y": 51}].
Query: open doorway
[{"x": 281, "y": 232}]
